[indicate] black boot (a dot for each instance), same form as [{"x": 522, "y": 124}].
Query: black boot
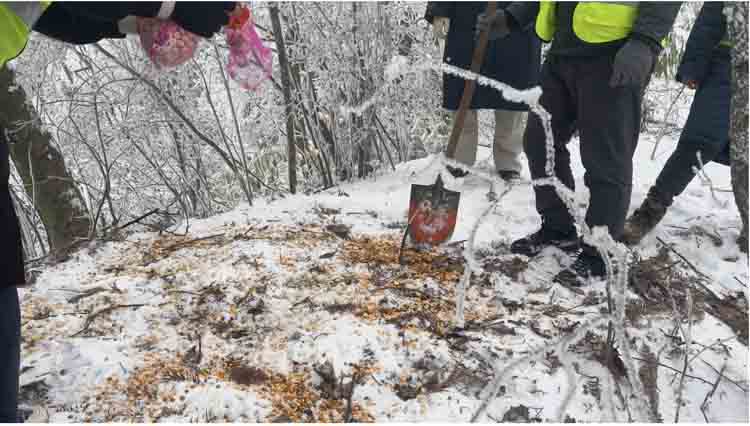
[
  {"x": 533, "y": 244},
  {"x": 510, "y": 176},
  {"x": 742, "y": 240},
  {"x": 587, "y": 265},
  {"x": 456, "y": 172},
  {"x": 644, "y": 219}
]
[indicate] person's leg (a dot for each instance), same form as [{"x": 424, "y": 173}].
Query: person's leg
[
  {"x": 706, "y": 132},
  {"x": 558, "y": 227},
  {"x": 466, "y": 150},
  {"x": 677, "y": 173},
  {"x": 609, "y": 125},
  {"x": 508, "y": 144},
  {"x": 680, "y": 169},
  {"x": 10, "y": 353},
  {"x": 558, "y": 101}
]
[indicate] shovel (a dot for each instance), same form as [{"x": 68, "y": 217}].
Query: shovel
[{"x": 433, "y": 210}]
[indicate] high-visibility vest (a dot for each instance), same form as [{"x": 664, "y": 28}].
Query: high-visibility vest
[
  {"x": 725, "y": 41},
  {"x": 16, "y": 21},
  {"x": 593, "y": 22}
]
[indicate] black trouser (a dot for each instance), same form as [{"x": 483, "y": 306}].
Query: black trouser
[
  {"x": 577, "y": 94},
  {"x": 706, "y": 130},
  {"x": 679, "y": 170},
  {"x": 10, "y": 353}
]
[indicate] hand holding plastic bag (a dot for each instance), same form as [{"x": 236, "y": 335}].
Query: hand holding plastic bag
[
  {"x": 168, "y": 45},
  {"x": 165, "y": 42},
  {"x": 250, "y": 63}
]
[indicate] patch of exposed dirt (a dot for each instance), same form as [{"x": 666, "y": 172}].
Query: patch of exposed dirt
[
  {"x": 512, "y": 268},
  {"x": 732, "y": 311},
  {"x": 648, "y": 373},
  {"x": 383, "y": 252},
  {"x": 659, "y": 280}
]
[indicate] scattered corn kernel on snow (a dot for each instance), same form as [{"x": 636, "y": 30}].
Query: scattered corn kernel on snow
[{"x": 297, "y": 310}]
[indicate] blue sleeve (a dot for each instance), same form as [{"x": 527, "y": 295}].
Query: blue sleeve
[
  {"x": 705, "y": 36},
  {"x": 445, "y": 9}
]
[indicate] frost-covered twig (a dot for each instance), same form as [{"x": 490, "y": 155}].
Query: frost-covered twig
[
  {"x": 471, "y": 262},
  {"x": 614, "y": 254},
  {"x": 728, "y": 379},
  {"x": 491, "y": 390},
  {"x": 668, "y": 367},
  {"x": 688, "y": 341},
  {"x": 710, "y": 393},
  {"x": 688, "y": 263},
  {"x": 90, "y": 319},
  {"x": 666, "y": 124},
  {"x": 706, "y": 180}
]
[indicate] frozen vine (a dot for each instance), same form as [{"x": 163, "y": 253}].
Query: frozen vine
[{"x": 614, "y": 254}]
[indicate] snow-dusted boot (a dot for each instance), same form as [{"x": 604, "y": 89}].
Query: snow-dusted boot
[
  {"x": 742, "y": 240},
  {"x": 456, "y": 172},
  {"x": 587, "y": 265},
  {"x": 533, "y": 244},
  {"x": 644, "y": 219}
]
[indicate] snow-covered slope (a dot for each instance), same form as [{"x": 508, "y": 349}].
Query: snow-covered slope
[{"x": 273, "y": 296}]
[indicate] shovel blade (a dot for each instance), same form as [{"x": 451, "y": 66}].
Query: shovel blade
[{"x": 433, "y": 211}]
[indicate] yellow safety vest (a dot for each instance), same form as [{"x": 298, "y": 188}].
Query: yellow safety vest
[
  {"x": 593, "y": 22},
  {"x": 16, "y": 21}
]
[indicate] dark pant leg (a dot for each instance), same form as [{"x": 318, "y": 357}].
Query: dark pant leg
[
  {"x": 679, "y": 170},
  {"x": 608, "y": 121},
  {"x": 706, "y": 130},
  {"x": 557, "y": 100},
  {"x": 10, "y": 353}
]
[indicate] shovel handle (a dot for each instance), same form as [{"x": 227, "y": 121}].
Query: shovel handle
[{"x": 469, "y": 86}]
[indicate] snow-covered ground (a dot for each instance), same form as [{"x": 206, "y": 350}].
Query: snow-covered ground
[
  {"x": 251, "y": 315},
  {"x": 274, "y": 294}
]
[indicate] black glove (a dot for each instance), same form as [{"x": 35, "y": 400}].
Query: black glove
[
  {"x": 633, "y": 64},
  {"x": 204, "y": 18},
  {"x": 498, "y": 25}
]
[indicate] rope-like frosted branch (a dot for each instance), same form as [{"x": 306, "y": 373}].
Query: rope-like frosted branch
[{"x": 614, "y": 254}]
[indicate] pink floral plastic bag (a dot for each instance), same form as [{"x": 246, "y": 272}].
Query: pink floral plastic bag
[
  {"x": 250, "y": 63},
  {"x": 168, "y": 45}
]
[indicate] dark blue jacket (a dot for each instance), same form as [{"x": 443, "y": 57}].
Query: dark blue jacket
[
  {"x": 708, "y": 62},
  {"x": 514, "y": 60}
]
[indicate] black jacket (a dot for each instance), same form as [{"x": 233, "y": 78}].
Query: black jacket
[
  {"x": 83, "y": 23},
  {"x": 64, "y": 24},
  {"x": 514, "y": 60},
  {"x": 654, "y": 22},
  {"x": 703, "y": 48},
  {"x": 709, "y": 64}
]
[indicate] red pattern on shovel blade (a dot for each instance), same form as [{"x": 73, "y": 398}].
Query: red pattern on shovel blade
[{"x": 432, "y": 213}]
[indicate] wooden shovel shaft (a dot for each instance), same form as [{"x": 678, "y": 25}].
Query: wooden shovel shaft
[{"x": 469, "y": 86}]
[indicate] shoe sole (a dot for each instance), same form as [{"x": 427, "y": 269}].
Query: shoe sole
[{"x": 571, "y": 247}]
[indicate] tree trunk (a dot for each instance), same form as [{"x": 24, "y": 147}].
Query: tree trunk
[
  {"x": 737, "y": 14},
  {"x": 286, "y": 86},
  {"x": 42, "y": 168}
]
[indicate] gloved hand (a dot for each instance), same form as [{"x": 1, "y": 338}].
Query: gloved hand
[
  {"x": 497, "y": 24},
  {"x": 440, "y": 25},
  {"x": 204, "y": 18},
  {"x": 692, "y": 84},
  {"x": 633, "y": 64}
]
